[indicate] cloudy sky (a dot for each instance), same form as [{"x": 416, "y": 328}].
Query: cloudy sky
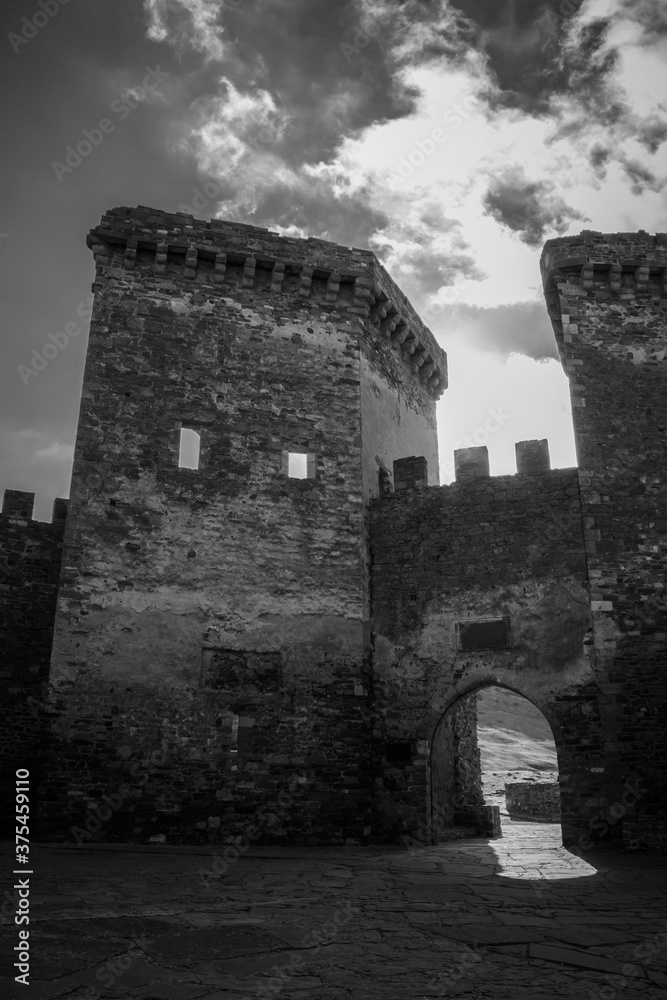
[{"x": 451, "y": 136}]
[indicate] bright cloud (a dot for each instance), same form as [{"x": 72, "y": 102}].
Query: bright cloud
[{"x": 196, "y": 23}]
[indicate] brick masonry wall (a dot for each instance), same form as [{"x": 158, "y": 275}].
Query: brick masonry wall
[
  {"x": 211, "y": 647},
  {"x": 30, "y": 554},
  {"x": 606, "y": 296},
  {"x": 484, "y": 548}
]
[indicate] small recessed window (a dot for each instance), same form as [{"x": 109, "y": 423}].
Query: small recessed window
[
  {"x": 485, "y": 633},
  {"x": 297, "y": 465},
  {"x": 188, "y": 456},
  {"x": 398, "y": 753}
]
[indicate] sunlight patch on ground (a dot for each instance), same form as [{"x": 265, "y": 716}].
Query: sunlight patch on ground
[{"x": 534, "y": 851}]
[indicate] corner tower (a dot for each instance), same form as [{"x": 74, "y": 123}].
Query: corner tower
[
  {"x": 607, "y": 298},
  {"x": 214, "y": 619}
]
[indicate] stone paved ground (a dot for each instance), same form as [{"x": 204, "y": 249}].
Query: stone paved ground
[{"x": 514, "y": 918}]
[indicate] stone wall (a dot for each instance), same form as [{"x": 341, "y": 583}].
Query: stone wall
[
  {"x": 533, "y": 800},
  {"x": 456, "y": 768},
  {"x": 212, "y": 634},
  {"x": 606, "y": 297},
  {"x": 30, "y": 555},
  {"x": 484, "y": 582}
]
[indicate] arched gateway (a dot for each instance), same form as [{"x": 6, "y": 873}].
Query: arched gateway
[
  {"x": 460, "y": 801},
  {"x": 481, "y": 583}
]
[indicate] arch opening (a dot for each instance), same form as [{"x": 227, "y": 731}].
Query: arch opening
[{"x": 494, "y": 767}]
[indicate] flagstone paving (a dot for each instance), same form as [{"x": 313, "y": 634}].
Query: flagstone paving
[{"x": 518, "y": 918}]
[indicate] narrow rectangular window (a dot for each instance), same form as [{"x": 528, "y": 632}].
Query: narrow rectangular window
[
  {"x": 188, "y": 455},
  {"x": 234, "y": 749},
  {"x": 297, "y": 465}
]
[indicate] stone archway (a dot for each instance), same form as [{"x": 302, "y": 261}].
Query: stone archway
[{"x": 458, "y": 804}]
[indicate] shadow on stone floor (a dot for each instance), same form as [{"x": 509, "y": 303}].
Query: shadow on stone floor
[{"x": 516, "y": 917}]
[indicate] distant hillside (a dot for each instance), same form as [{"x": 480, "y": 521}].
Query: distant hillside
[
  {"x": 515, "y": 742},
  {"x": 498, "y": 708}
]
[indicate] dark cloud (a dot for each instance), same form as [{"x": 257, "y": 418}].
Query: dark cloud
[
  {"x": 520, "y": 328},
  {"x": 521, "y": 40},
  {"x": 641, "y": 177},
  {"x": 599, "y": 157},
  {"x": 529, "y": 208},
  {"x": 328, "y": 72},
  {"x": 325, "y": 63},
  {"x": 591, "y": 61},
  {"x": 652, "y": 132}
]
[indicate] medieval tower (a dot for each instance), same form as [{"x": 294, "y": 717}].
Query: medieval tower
[{"x": 220, "y": 614}]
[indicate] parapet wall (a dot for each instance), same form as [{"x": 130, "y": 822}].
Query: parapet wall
[
  {"x": 30, "y": 553},
  {"x": 477, "y": 533},
  {"x": 30, "y": 557},
  {"x": 230, "y": 253},
  {"x": 609, "y": 265}
]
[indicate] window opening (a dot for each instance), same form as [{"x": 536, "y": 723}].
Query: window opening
[
  {"x": 297, "y": 465},
  {"x": 188, "y": 455}
]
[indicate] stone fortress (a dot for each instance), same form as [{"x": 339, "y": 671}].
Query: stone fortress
[{"x": 196, "y": 655}]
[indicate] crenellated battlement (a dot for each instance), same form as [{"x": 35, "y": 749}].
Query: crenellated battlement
[
  {"x": 634, "y": 255},
  {"x": 471, "y": 464},
  {"x": 475, "y": 549},
  {"x": 602, "y": 265},
  {"x": 18, "y": 505},
  {"x": 231, "y": 255}
]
